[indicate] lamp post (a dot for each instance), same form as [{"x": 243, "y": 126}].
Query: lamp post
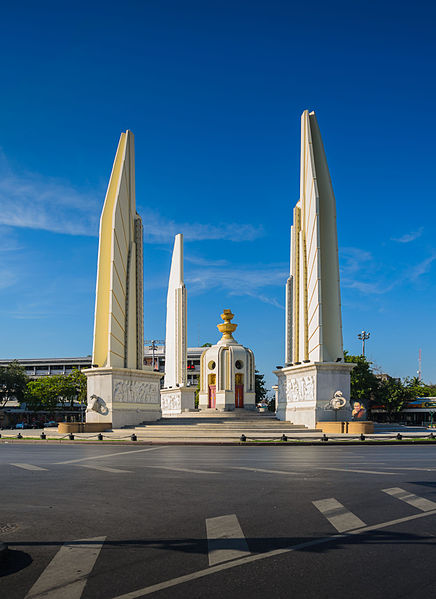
[{"x": 363, "y": 336}]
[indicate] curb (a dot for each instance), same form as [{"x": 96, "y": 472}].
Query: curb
[
  {"x": 3, "y": 552},
  {"x": 302, "y": 443}
]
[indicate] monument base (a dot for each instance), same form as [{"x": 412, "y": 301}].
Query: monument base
[
  {"x": 225, "y": 401},
  {"x": 122, "y": 396},
  {"x": 354, "y": 427},
  {"x": 305, "y": 390},
  {"x": 178, "y": 400}
]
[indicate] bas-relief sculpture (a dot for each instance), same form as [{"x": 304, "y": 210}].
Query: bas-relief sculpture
[
  {"x": 300, "y": 389},
  {"x": 135, "y": 392},
  {"x": 118, "y": 374},
  {"x": 314, "y": 359}
]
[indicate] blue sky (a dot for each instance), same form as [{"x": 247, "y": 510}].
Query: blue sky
[{"x": 213, "y": 92}]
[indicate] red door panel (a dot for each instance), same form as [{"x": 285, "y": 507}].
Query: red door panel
[
  {"x": 239, "y": 396},
  {"x": 212, "y": 396}
]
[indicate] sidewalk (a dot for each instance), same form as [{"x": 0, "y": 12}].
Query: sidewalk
[{"x": 218, "y": 434}]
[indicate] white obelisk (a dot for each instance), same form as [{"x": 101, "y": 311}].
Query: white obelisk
[
  {"x": 314, "y": 358},
  {"x": 176, "y": 396}
]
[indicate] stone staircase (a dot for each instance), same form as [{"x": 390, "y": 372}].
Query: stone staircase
[{"x": 211, "y": 425}]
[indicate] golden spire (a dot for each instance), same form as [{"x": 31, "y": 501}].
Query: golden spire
[{"x": 227, "y": 328}]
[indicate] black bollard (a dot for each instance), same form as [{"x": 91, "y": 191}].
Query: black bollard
[
  {"x": 243, "y": 438},
  {"x": 71, "y": 437},
  {"x": 284, "y": 437},
  {"x": 100, "y": 437},
  {"x": 43, "y": 435},
  {"x": 362, "y": 437},
  {"x": 133, "y": 437}
]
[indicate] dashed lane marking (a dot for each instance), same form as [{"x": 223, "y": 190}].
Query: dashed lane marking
[
  {"x": 341, "y": 518},
  {"x": 265, "y": 470},
  {"x": 110, "y": 455},
  {"x": 28, "y": 467},
  {"x": 182, "y": 469},
  {"x": 103, "y": 468},
  {"x": 67, "y": 573},
  {"x": 421, "y": 503},
  {"x": 358, "y": 471},
  {"x": 225, "y": 539}
]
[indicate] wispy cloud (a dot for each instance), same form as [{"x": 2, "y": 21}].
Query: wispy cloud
[
  {"x": 359, "y": 271},
  {"x": 408, "y": 237},
  {"x": 375, "y": 288},
  {"x": 160, "y": 230},
  {"x": 422, "y": 268},
  {"x": 28, "y": 200},
  {"x": 249, "y": 281},
  {"x": 32, "y": 202}
]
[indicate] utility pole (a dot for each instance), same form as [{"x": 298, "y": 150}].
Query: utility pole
[
  {"x": 363, "y": 336},
  {"x": 153, "y": 346},
  {"x": 419, "y": 366}
]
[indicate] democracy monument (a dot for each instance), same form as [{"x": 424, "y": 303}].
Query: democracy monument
[{"x": 314, "y": 385}]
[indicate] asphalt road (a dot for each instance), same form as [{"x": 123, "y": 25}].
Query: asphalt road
[{"x": 177, "y": 521}]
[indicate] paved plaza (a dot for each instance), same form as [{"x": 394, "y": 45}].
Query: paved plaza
[{"x": 126, "y": 522}]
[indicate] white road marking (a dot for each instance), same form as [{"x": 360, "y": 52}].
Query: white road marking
[
  {"x": 110, "y": 455},
  {"x": 183, "y": 469},
  {"x": 269, "y": 471},
  {"x": 258, "y": 556},
  {"x": 338, "y": 515},
  {"x": 358, "y": 471},
  {"x": 225, "y": 539},
  {"x": 403, "y": 468},
  {"x": 425, "y": 505},
  {"x": 103, "y": 468},
  {"x": 67, "y": 573},
  {"x": 28, "y": 467}
]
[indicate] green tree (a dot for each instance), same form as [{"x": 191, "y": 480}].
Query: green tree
[
  {"x": 419, "y": 388},
  {"x": 207, "y": 345},
  {"x": 393, "y": 394},
  {"x": 259, "y": 385},
  {"x": 78, "y": 380},
  {"x": 364, "y": 383},
  {"x": 197, "y": 394},
  {"x": 13, "y": 383},
  {"x": 46, "y": 393},
  {"x": 43, "y": 394}
]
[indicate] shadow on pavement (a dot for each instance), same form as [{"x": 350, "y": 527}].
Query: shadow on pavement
[
  {"x": 14, "y": 562},
  {"x": 256, "y": 545}
]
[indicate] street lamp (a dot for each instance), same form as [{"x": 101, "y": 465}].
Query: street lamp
[{"x": 363, "y": 336}]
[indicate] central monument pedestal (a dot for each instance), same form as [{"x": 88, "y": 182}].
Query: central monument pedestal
[
  {"x": 178, "y": 400},
  {"x": 122, "y": 396},
  {"x": 305, "y": 392}
]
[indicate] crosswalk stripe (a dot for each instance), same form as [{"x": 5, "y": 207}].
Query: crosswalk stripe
[
  {"x": 425, "y": 505},
  {"x": 341, "y": 518},
  {"x": 103, "y": 468},
  {"x": 183, "y": 469},
  {"x": 67, "y": 573},
  {"x": 28, "y": 467},
  {"x": 225, "y": 539}
]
